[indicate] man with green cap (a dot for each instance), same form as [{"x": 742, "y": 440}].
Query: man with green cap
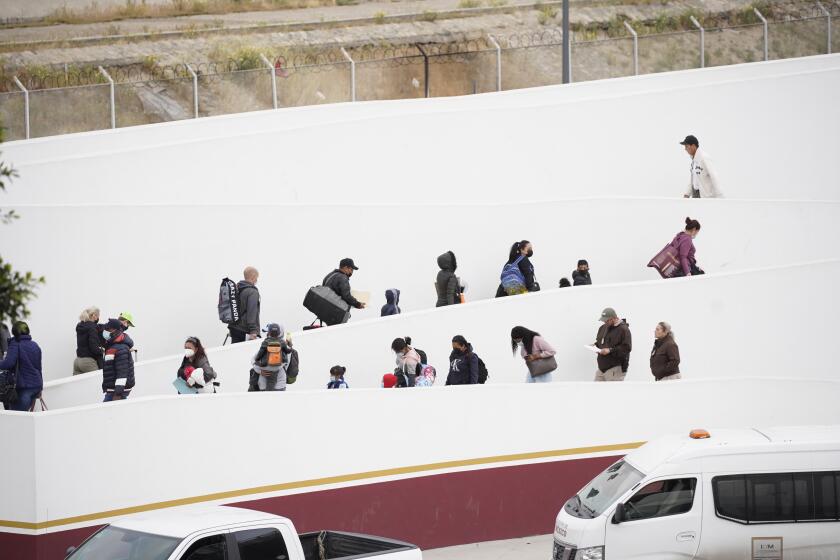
[{"x": 615, "y": 343}]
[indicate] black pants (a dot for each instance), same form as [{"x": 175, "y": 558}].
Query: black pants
[
  {"x": 236, "y": 335},
  {"x": 694, "y": 272}
]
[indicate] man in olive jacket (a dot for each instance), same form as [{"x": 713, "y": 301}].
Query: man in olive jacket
[{"x": 615, "y": 343}]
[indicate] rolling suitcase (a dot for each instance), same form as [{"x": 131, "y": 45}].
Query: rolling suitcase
[{"x": 327, "y": 305}]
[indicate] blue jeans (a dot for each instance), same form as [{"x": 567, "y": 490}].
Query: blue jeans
[{"x": 25, "y": 398}]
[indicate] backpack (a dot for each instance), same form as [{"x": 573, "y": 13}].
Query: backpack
[
  {"x": 426, "y": 376},
  {"x": 229, "y": 311},
  {"x": 273, "y": 355},
  {"x": 513, "y": 281},
  {"x": 423, "y": 359},
  {"x": 482, "y": 372},
  {"x": 293, "y": 367}
]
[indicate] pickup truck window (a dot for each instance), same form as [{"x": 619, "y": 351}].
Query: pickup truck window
[
  {"x": 118, "y": 544},
  {"x": 261, "y": 544},
  {"x": 208, "y": 548}
]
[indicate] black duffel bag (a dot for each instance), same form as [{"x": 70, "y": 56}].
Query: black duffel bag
[{"x": 327, "y": 305}]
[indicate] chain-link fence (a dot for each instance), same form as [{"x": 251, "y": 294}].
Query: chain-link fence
[{"x": 80, "y": 99}]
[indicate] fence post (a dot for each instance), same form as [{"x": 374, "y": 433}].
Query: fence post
[
  {"x": 352, "y": 74},
  {"x": 25, "y": 106},
  {"x": 273, "y": 79},
  {"x": 828, "y": 20},
  {"x": 195, "y": 90},
  {"x": 425, "y": 68},
  {"x": 766, "y": 34},
  {"x": 635, "y": 48},
  {"x": 113, "y": 107},
  {"x": 702, "y": 41},
  {"x": 498, "y": 63}
]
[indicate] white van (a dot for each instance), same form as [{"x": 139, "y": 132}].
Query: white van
[{"x": 769, "y": 494}]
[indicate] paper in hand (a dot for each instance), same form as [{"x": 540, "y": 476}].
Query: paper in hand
[{"x": 592, "y": 348}]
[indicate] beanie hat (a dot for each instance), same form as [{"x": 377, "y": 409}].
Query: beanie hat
[{"x": 389, "y": 380}]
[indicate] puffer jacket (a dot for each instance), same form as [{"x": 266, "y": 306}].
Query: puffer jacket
[
  {"x": 392, "y": 305},
  {"x": 620, "y": 343},
  {"x": 24, "y": 355},
  {"x": 203, "y": 363},
  {"x": 118, "y": 373},
  {"x": 665, "y": 357},
  {"x": 447, "y": 283},
  {"x": 581, "y": 278},
  {"x": 463, "y": 367},
  {"x": 88, "y": 342}
]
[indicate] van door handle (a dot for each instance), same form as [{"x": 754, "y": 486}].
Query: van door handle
[{"x": 686, "y": 536}]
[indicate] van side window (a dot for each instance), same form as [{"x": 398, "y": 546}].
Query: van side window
[
  {"x": 261, "y": 544},
  {"x": 208, "y": 548},
  {"x": 777, "y": 497},
  {"x": 661, "y": 498}
]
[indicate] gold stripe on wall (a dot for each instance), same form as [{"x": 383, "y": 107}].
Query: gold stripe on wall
[{"x": 320, "y": 482}]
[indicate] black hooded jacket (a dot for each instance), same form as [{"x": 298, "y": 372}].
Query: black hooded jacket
[
  {"x": 448, "y": 291},
  {"x": 463, "y": 367},
  {"x": 88, "y": 342}
]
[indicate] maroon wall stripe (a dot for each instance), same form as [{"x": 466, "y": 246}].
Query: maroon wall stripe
[{"x": 429, "y": 511}]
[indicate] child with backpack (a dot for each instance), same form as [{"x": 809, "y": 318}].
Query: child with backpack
[
  {"x": 337, "y": 378},
  {"x": 270, "y": 361}
]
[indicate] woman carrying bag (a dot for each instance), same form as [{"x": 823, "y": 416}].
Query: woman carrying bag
[{"x": 537, "y": 353}]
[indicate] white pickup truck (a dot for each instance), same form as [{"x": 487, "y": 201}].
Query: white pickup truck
[{"x": 228, "y": 533}]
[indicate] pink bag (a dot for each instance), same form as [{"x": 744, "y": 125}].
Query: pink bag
[{"x": 666, "y": 262}]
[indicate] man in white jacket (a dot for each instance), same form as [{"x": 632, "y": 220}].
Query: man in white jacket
[{"x": 703, "y": 183}]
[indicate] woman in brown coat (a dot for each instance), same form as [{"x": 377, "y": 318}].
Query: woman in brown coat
[{"x": 665, "y": 356}]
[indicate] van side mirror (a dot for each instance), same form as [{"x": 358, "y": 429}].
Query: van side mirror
[
  {"x": 70, "y": 550},
  {"x": 619, "y": 515}
]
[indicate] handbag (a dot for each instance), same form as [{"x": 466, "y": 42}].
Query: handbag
[
  {"x": 666, "y": 261},
  {"x": 542, "y": 366}
]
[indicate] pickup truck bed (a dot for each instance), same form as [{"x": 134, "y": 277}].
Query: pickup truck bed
[{"x": 335, "y": 545}]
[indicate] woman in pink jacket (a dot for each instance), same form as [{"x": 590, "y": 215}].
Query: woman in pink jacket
[
  {"x": 684, "y": 244},
  {"x": 532, "y": 347}
]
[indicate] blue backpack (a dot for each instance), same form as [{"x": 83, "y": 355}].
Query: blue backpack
[{"x": 513, "y": 281}]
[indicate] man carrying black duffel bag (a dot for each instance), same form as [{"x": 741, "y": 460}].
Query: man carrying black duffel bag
[{"x": 333, "y": 306}]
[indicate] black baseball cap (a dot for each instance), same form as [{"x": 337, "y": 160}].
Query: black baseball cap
[
  {"x": 348, "y": 262},
  {"x": 690, "y": 139},
  {"x": 582, "y": 262}
]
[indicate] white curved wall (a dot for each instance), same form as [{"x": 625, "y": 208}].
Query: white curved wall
[
  {"x": 757, "y": 323},
  {"x": 164, "y": 262},
  {"x": 490, "y": 420},
  {"x": 613, "y": 137}
]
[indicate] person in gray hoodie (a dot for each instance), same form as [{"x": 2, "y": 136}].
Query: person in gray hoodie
[
  {"x": 248, "y": 327},
  {"x": 447, "y": 284},
  {"x": 392, "y": 305}
]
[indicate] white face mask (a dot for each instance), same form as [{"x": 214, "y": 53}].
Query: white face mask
[{"x": 189, "y": 352}]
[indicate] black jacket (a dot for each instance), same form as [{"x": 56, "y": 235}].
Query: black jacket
[
  {"x": 581, "y": 278},
  {"x": 619, "y": 341},
  {"x": 118, "y": 373},
  {"x": 249, "y": 305},
  {"x": 339, "y": 282},
  {"x": 447, "y": 283},
  {"x": 88, "y": 342},
  {"x": 665, "y": 357},
  {"x": 463, "y": 368}
]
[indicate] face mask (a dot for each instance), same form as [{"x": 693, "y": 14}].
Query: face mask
[
  {"x": 189, "y": 352},
  {"x": 106, "y": 335},
  {"x": 530, "y": 253}
]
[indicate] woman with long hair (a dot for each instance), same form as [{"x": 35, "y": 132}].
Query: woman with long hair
[
  {"x": 195, "y": 368},
  {"x": 533, "y": 348},
  {"x": 518, "y": 273}
]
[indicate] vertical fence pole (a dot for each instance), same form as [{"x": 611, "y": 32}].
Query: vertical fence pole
[
  {"x": 702, "y": 41},
  {"x": 567, "y": 45},
  {"x": 25, "y": 106},
  {"x": 498, "y": 62},
  {"x": 425, "y": 69},
  {"x": 273, "y": 79},
  {"x": 195, "y": 90},
  {"x": 635, "y": 48},
  {"x": 352, "y": 74},
  {"x": 766, "y": 34},
  {"x": 827, "y": 15},
  {"x": 113, "y": 107}
]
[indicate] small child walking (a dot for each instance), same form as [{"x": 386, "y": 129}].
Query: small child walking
[{"x": 337, "y": 378}]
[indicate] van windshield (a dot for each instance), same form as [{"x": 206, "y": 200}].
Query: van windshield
[{"x": 604, "y": 489}]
